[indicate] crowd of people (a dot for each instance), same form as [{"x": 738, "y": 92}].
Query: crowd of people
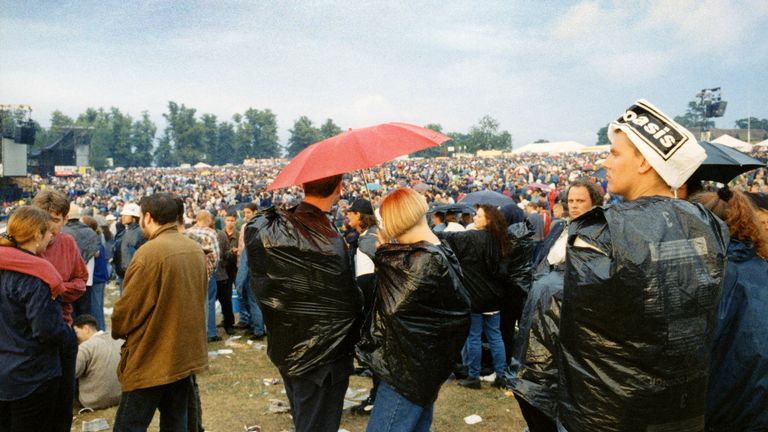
[{"x": 612, "y": 291}]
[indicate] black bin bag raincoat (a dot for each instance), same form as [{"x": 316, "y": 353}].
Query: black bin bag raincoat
[
  {"x": 420, "y": 321},
  {"x": 305, "y": 285},
  {"x": 641, "y": 294}
]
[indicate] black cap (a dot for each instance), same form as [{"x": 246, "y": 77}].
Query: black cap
[{"x": 361, "y": 206}]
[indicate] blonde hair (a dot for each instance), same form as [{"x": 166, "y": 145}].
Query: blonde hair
[
  {"x": 401, "y": 210},
  {"x": 25, "y": 223}
]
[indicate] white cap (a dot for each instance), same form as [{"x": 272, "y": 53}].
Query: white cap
[
  {"x": 669, "y": 147},
  {"x": 131, "y": 209}
]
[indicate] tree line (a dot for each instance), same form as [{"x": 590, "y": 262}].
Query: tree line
[{"x": 119, "y": 140}]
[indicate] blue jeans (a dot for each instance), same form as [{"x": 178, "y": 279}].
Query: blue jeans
[
  {"x": 392, "y": 412},
  {"x": 137, "y": 407},
  {"x": 97, "y": 303},
  {"x": 257, "y": 319},
  {"x": 211, "y": 315},
  {"x": 488, "y": 324}
]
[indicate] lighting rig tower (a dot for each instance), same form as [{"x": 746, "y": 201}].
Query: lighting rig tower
[{"x": 711, "y": 105}]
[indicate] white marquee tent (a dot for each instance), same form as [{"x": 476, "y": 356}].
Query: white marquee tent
[
  {"x": 551, "y": 147},
  {"x": 762, "y": 144},
  {"x": 732, "y": 142}
]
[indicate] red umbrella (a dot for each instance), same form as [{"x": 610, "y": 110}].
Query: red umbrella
[{"x": 355, "y": 149}]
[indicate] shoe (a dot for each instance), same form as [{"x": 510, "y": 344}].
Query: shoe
[
  {"x": 214, "y": 339},
  {"x": 241, "y": 326},
  {"x": 229, "y": 331},
  {"x": 500, "y": 383},
  {"x": 365, "y": 407},
  {"x": 256, "y": 337},
  {"x": 471, "y": 382}
]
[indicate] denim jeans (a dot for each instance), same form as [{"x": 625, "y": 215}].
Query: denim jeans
[
  {"x": 488, "y": 324},
  {"x": 210, "y": 316},
  {"x": 137, "y": 407},
  {"x": 97, "y": 304},
  {"x": 394, "y": 413},
  {"x": 257, "y": 319}
]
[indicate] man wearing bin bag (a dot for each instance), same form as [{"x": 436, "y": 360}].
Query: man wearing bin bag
[
  {"x": 311, "y": 306},
  {"x": 642, "y": 285}
]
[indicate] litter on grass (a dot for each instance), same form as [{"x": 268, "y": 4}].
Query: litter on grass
[{"x": 473, "y": 419}]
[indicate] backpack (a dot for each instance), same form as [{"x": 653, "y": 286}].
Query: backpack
[{"x": 117, "y": 259}]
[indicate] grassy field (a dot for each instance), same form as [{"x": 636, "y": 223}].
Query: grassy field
[{"x": 234, "y": 395}]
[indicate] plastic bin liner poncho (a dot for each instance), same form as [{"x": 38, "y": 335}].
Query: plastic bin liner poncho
[
  {"x": 480, "y": 258},
  {"x": 301, "y": 275},
  {"x": 421, "y": 319},
  {"x": 737, "y": 399},
  {"x": 532, "y": 372},
  {"x": 642, "y": 286},
  {"x": 518, "y": 263}
]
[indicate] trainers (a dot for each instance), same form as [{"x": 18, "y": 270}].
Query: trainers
[
  {"x": 364, "y": 408},
  {"x": 471, "y": 382},
  {"x": 256, "y": 337},
  {"x": 229, "y": 331},
  {"x": 241, "y": 326},
  {"x": 214, "y": 339}
]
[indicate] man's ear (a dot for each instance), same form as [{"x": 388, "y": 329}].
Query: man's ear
[{"x": 644, "y": 167}]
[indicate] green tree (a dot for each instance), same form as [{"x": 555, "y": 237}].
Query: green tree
[
  {"x": 211, "y": 139},
  {"x": 120, "y": 133},
  {"x": 164, "y": 154},
  {"x": 142, "y": 140},
  {"x": 602, "y": 136},
  {"x": 227, "y": 144},
  {"x": 96, "y": 123},
  {"x": 541, "y": 141},
  {"x": 185, "y": 134},
  {"x": 257, "y": 133},
  {"x": 486, "y": 136},
  {"x": 694, "y": 116},
  {"x": 303, "y": 134},
  {"x": 753, "y": 123},
  {"x": 329, "y": 129}
]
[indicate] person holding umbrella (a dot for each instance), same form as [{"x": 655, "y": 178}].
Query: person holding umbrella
[{"x": 304, "y": 282}]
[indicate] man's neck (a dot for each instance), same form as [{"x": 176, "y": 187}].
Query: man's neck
[{"x": 323, "y": 203}]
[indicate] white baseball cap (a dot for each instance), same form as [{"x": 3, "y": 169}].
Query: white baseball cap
[
  {"x": 670, "y": 148},
  {"x": 131, "y": 209}
]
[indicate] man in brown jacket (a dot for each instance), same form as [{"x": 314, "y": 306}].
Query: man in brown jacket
[{"x": 161, "y": 316}]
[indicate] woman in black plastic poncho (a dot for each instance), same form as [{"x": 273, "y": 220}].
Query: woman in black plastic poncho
[{"x": 420, "y": 316}]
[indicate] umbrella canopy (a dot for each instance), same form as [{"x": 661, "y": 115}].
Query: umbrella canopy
[
  {"x": 453, "y": 208},
  {"x": 486, "y": 197},
  {"x": 356, "y": 149},
  {"x": 723, "y": 163},
  {"x": 538, "y": 185}
]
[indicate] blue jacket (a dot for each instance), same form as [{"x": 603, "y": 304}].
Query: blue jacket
[
  {"x": 100, "y": 269},
  {"x": 31, "y": 330},
  {"x": 737, "y": 397}
]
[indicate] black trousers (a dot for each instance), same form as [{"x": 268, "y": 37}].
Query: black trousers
[
  {"x": 316, "y": 408},
  {"x": 537, "y": 420},
  {"x": 32, "y": 413},
  {"x": 136, "y": 409},
  {"x": 224, "y": 296},
  {"x": 62, "y": 412}
]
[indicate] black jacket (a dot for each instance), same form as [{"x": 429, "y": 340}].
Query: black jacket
[
  {"x": 306, "y": 289},
  {"x": 420, "y": 320}
]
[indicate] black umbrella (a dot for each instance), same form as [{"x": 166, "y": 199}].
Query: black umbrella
[
  {"x": 453, "y": 208},
  {"x": 723, "y": 163},
  {"x": 486, "y": 197}
]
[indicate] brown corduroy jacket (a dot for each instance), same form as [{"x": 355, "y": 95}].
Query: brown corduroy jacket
[{"x": 161, "y": 314}]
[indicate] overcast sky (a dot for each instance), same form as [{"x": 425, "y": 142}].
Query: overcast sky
[{"x": 552, "y": 70}]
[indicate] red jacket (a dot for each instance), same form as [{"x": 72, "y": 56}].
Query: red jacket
[{"x": 65, "y": 257}]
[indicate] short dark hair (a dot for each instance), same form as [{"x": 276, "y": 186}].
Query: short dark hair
[
  {"x": 594, "y": 191},
  {"x": 367, "y": 220},
  {"x": 322, "y": 188},
  {"x": 252, "y": 206},
  {"x": 179, "y": 209},
  {"x": 85, "y": 320},
  {"x": 162, "y": 206},
  {"x": 440, "y": 216},
  {"x": 52, "y": 201}
]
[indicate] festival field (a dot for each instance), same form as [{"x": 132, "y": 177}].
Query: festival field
[{"x": 234, "y": 395}]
